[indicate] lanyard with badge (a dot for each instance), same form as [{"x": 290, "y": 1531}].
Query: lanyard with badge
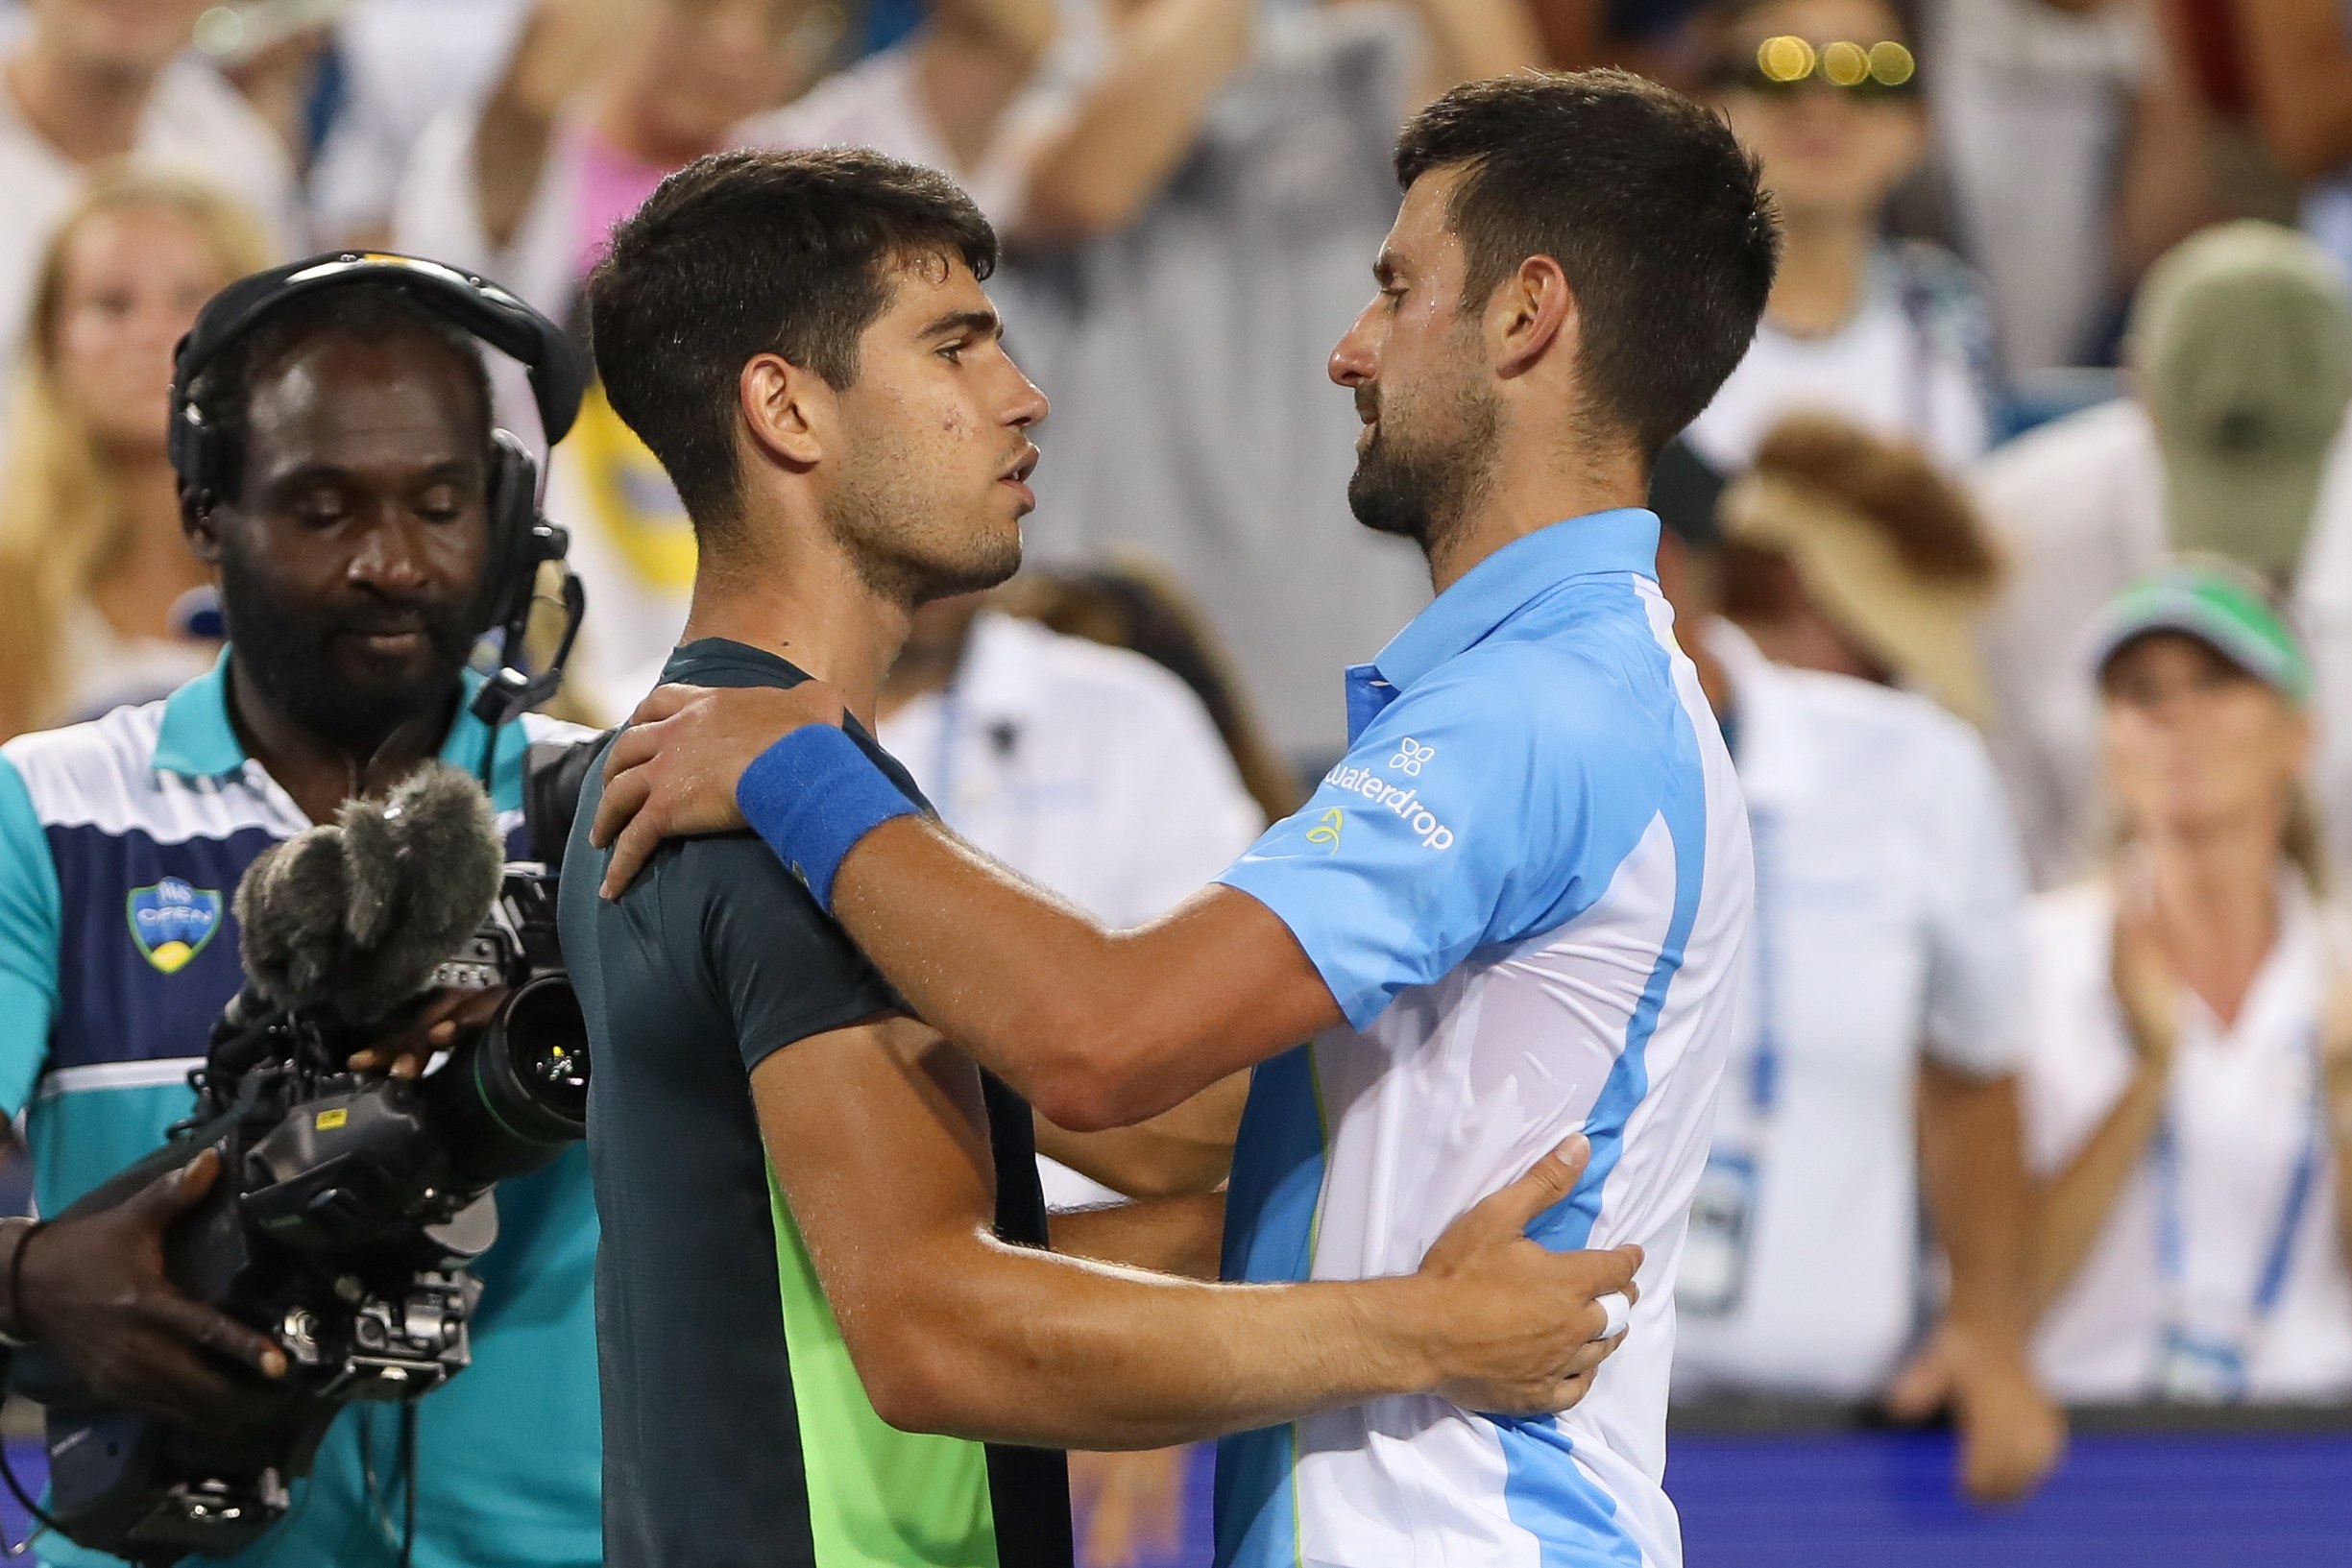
[
  {"x": 2206, "y": 1366},
  {"x": 1714, "y": 1272}
]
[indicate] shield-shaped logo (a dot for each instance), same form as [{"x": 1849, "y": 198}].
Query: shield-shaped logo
[{"x": 171, "y": 922}]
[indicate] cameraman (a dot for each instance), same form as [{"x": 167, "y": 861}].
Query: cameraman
[{"x": 347, "y": 511}]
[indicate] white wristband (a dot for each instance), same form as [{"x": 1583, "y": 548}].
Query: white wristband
[{"x": 1620, "y": 1312}]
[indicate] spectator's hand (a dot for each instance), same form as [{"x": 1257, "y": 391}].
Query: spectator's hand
[
  {"x": 2145, "y": 988},
  {"x": 674, "y": 770},
  {"x": 93, "y": 1292},
  {"x": 445, "y": 1016},
  {"x": 1132, "y": 1505},
  {"x": 2011, "y": 1435},
  {"x": 1517, "y": 1323}
]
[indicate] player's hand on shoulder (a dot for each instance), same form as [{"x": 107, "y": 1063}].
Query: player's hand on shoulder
[
  {"x": 1518, "y": 1326},
  {"x": 673, "y": 771}
]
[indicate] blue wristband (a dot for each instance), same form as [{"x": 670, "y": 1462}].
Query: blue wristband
[{"x": 812, "y": 795}]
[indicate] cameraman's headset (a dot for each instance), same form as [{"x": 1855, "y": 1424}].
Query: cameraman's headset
[{"x": 522, "y": 540}]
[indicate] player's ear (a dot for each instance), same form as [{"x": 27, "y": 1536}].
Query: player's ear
[
  {"x": 788, "y": 411},
  {"x": 1531, "y": 313}
]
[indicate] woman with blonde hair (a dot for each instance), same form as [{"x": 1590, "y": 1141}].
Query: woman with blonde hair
[
  {"x": 2189, "y": 1090},
  {"x": 101, "y": 602}
]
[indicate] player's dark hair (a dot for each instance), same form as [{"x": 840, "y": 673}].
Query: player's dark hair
[
  {"x": 750, "y": 253},
  {"x": 1645, "y": 200},
  {"x": 368, "y": 313}
]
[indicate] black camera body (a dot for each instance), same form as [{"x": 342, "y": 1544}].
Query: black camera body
[{"x": 343, "y": 1224}]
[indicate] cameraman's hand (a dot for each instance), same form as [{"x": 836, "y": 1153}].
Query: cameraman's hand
[
  {"x": 93, "y": 1292},
  {"x": 674, "y": 770},
  {"x": 1516, "y": 1321},
  {"x": 437, "y": 1028}
]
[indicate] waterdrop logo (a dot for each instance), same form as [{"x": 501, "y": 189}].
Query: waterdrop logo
[
  {"x": 1406, "y": 803},
  {"x": 1411, "y": 756}
]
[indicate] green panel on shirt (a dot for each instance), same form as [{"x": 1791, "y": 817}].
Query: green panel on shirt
[{"x": 875, "y": 1494}]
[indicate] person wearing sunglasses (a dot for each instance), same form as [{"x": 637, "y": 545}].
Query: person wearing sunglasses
[{"x": 1893, "y": 337}]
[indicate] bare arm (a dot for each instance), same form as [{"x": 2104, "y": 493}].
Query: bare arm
[
  {"x": 1473, "y": 40},
  {"x": 2300, "y": 69},
  {"x": 1133, "y": 124},
  {"x": 563, "y": 45},
  {"x": 1188, "y": 1150},
  {"x": 1097, "y": 1029},
  {"x": 1169, "y": 1235},
  {"x": 2163, "y": 196},
  {"x": 972, "y": 61},
  {"x": 875, "y": 1135},
  {"x": 1973, "y": 1171},
  {"x": 2074, "y": 1204}
]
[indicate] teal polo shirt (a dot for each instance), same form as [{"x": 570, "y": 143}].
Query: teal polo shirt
[{"x": 121, "y": 844}]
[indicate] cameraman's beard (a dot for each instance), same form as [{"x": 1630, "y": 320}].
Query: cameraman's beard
[
  {"x": 1426, "y": 491},
  {"x": 288, "y": 649}
]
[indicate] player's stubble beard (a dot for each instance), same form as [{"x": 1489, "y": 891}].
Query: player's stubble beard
[
  {"x": 910, "y": 542},
  {"x": 1430, "y": 460}
]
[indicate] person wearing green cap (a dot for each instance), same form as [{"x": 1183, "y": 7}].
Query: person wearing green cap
[
  {"x": 2240, "y": 361},
  {"x": 2189, "y": 1087}
]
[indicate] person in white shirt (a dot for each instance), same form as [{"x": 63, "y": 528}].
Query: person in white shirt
[
  {"x": 2235, "y": 440},
  {"x": 92, "y": 81},
  {"x": 1874, "y": 1064},
  {"x": 1893, "y": 337},
  {"x": 2189, "y": 1093}
]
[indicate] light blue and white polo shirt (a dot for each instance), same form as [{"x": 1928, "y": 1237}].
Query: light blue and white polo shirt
[
  {"x": 121, "y": 844},
  {"x": 1527, "y": 885}
]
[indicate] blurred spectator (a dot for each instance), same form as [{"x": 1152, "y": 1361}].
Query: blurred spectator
[
  {"x": 2298, "y": 58},
  {"x": 1091, "y": 769},
  {"x": 1200, "y": 211},
  {"x": 1854, "y": 554},
  {"x": 2179, "y": 1087},
  {"x": 95, "y": 80},
  {"x": 1131, "y": 604},
  {"x": 1881, "y": 1041},
  {"x": 1891, "y": 336},
  {"x": 598, "y": 101},
  {"x": 2077, "y": 150},
  {"x": 100, "y": 601},
  {"x": 2241, "y": 351},
  {"x": 403, "y": 62}
]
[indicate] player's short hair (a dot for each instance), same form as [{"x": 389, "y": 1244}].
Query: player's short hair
[
  {"x": 749, "y": 252},
  {"x": 1646, "y": 201},
  {"x": 368, "y": 313}
]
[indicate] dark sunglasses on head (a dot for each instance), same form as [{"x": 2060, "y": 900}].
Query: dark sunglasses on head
[{"x": 1786, "y": 64}]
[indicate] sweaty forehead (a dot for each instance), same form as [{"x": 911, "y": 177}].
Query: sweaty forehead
[{"x": 339, "y": 401}]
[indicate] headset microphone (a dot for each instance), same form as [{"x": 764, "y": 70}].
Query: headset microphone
[{"x": 522, "y": 540}]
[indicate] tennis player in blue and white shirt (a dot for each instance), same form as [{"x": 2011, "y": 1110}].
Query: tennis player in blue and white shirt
[{"x": 1513, "y": 913}]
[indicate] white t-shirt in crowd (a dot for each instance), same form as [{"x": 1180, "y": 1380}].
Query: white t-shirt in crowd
[
  {"x": 2240, "y": 1104},
  {"x": 1090, "y": 770},
  {"x": 195, "y": 125},
  {"x": 404, "y": 63},
  {"x": 2078, "y": 505},
  {"x": 1909, "y": 363},
  {"x": 2033, "y": 104},
  {"x": 1889, "y": 923}
]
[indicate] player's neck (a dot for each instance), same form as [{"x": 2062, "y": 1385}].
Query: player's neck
[
  {"x": 1531, "y": 489},
  {"x": 813, "y": 609}
]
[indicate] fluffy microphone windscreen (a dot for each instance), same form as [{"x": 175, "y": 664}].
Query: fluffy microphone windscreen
[{"x": 354, "y": 915}]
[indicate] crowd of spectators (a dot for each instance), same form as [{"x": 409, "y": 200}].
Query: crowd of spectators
[{"x": 2016, "y": 557}]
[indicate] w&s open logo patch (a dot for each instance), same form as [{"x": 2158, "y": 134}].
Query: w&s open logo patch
[{"x": 171, "y": 922}]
